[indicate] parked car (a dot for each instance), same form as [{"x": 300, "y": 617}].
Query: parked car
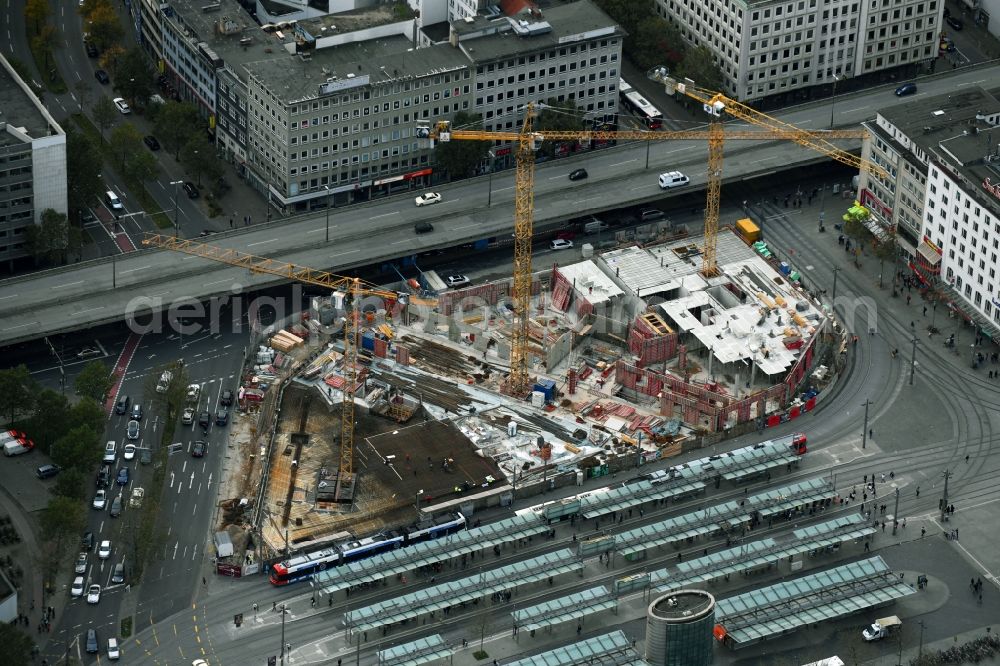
[
  {"x": 122, "y": 105},
  {"x": 92, "y": 51},
  {"x": 76, "y": 589},
  {"x": 577, "y": 174},
  {"x": 110, "y": 452},
  {"x": 561, "y": 244},
  {"x": 94, "y": 594},
  {"x": 81, "y": 563},
  {"x": 145, "y": 456},
  {"x": 954, "y": 23},
  {"x": 100, "y": 500},
  {"x": 121, "y": 407},
  {"x": 187, "y": 418},
  {"x": 104, "y": 550},
  {"x": 87, "y": 541},
  {"x": 130, "y": 450},
  {"x": 151, "y": 142},
  {"x": 198, "y": 448},
  {"x": 122, "y": 479},
  {"x": 227, "y": 398},
  {"x": 104, "y": 477},
  {"x": 102, "y": 77},
  {"x": 113, "y": 652},
  {"x": 47, "y": 471},
  {"x": 456, "y": 280},
  {"x": 222, "y": 417},
  {"x": 651, "y": 214},
  {"x": 906, "y": 89},
  {"x": 191, "y": 190},
  {"x": 427, "y": 198},
  {"x": 133, "y": 430},
  {"x": 118, "y": 576},
  {"x": 204, "y": 418}
]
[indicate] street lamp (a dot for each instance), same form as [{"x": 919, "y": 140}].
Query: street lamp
[
  {"x": 417, "y": 498},
  {"x": 833, "y": 98},
  {"x": 175, "y": 183},
  {"x": 327, "y": 188},
  {"x": 489, "y": 197}
]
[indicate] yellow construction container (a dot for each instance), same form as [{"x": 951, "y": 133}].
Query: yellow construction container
[{"x": 747, "y": 230}]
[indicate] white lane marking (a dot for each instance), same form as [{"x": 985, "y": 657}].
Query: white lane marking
[
  {"x": 401, "y": 241},
  {"x": 68, "y": 284},
  {"x": 262, "y": 242},
  {"x": 860, "y": 108},
  {"x": 634, "y": 159},
  {"x": 3, "y": 298},
  {"x": 132, "y": 270},
  {"x": 100, "y": 307},
  {"x": 467, "y": 226},
  {"x": 501, "y": 189},
  {"x": 341, "y": 254},
  {"x": 209, "y": 284},
  {"x": 375, "y": 217}
]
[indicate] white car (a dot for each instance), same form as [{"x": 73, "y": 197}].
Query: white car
[
  {"x": 133, "y": 433},
  {"x": 113, "y": 652},
  {"x": 81, "y": 563},
  {"x": 100, "y": 500},
  {"x": 456, "y": 280},
  {"x": 188, "y": 417},
  {"x": 104, "y": 550},
  {"x": 427, "y": 198},
  {"x": 76, "y": 590},
  {"x": 561, "y": 244},
  {"x": 130, "y": 450},
  {"x": 122, "y": 105},
  {"x": 94, "y": 594}
]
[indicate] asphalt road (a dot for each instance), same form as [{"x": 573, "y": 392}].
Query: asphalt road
[
  {"x": 72, "y": 297},
  {"x": 189, "y": 496}
]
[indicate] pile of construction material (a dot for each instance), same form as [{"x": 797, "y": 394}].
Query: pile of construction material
[{"x": 285, "y": 341}]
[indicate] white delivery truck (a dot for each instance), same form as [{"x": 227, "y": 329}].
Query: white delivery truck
[
  {"x": 223, "y": 544},
  {"x": 881, "y": 628}
]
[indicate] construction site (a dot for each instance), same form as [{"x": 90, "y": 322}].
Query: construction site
[
  {"x": 382, "y": 404},
  {"x": 633, "y": 355}
]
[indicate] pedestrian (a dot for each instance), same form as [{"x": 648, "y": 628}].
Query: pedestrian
[
  {"x": 883, "y": 473},
  {"x": 907, "y": 299},
  {"x": 918, "y": 491},
  {"x": 274, "y": 605},
  {"x": 867, "y": 547},
  {"x": 203, "y": 581},
  {"x": 892, "y": 475},
  {"x": 966, "y": 458},
  {"x": 230, "y": 223},
  {"x": 312, "y": 602},
  {"x": 925, "y": 309},
  {"x": 923, "y": 531}
]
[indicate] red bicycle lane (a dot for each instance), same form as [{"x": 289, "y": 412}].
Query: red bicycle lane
[{"x": 121, "y": 365}]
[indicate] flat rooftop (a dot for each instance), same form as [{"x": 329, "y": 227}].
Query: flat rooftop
[
  {"x": 682, "y": 606},
  {"x": 591, "y": 281},
  {"x": 19, "y": 108}
]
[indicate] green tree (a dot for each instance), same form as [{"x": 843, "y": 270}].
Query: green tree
[
  {"x": 200, "y": 160},
  {"x": 71, "y": 483},
  {"x": 110, "y": 59},
  {"x": 88, "y": 414},
  {"x": 887, "y": 250},
  {"x": 104, "y": 113},
  {"x": 83, "y": 180},
  {"x": 699, "y": 66},
  {"x": 94, "y": 381},
  {"x": 176, "y": 123},
  {"x": 42, "y": 42},
  {"x": 61, "y": 521},
  {"x": 16, "y": 644},
  {"x": 105, "y": 28},
  {"x": 47, "y": 240},
  {"x": 17, "y": 392},
  {"x": 125, "y": 141},
  {"x": 79, "y": 448},
  {"x": 656, "y": 42},
  {"x": 459, "y": 159},
  {"x": 558, "y": 116},
  {"x": 135, "y": 77},
  {"x": 74, "y": 240},
  {"x": 142, "y": 166},
  {"x": 36, "y": 12},
  {"x": 50, "y": 420}
]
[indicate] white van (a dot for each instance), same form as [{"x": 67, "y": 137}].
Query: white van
[
  {"x": 114, "y": 203},
  {"x": 673, "y": 179}
]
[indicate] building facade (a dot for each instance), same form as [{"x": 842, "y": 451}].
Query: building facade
[
  {"x": 942, "y": 197},
  {"x": 32, "y": 163},
  {"x": 766, "y": 48}
]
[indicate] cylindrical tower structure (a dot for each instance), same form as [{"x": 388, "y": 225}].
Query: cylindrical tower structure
[{"x": 679, "y": 629}]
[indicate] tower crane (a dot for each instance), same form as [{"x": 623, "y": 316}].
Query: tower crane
[
  {"x": 354, "y": 287},
  {"x": 528, "y": 139}
]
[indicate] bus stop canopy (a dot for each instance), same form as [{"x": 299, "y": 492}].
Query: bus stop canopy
[
  {"x": 756, "y": 615},
  {"x": 696, "y": 523},
  {"x": 571, "y": 607},
  {"x": 427, "y": 553},
  {"x": 444, "y": 595},
  {"x": 421, "y": 651},
  {"x": 635, "y": 494},
  {"x": 614, "y": 649},
  {"x": 783, "y": 499}
]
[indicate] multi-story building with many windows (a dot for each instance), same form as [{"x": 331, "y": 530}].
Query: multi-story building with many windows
[
  {"x": 942, "y": 196},
  {"x": 767, "y": 48},
  {"x": 327, "y": 107},
  {"x": 32, "y": 163}
]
